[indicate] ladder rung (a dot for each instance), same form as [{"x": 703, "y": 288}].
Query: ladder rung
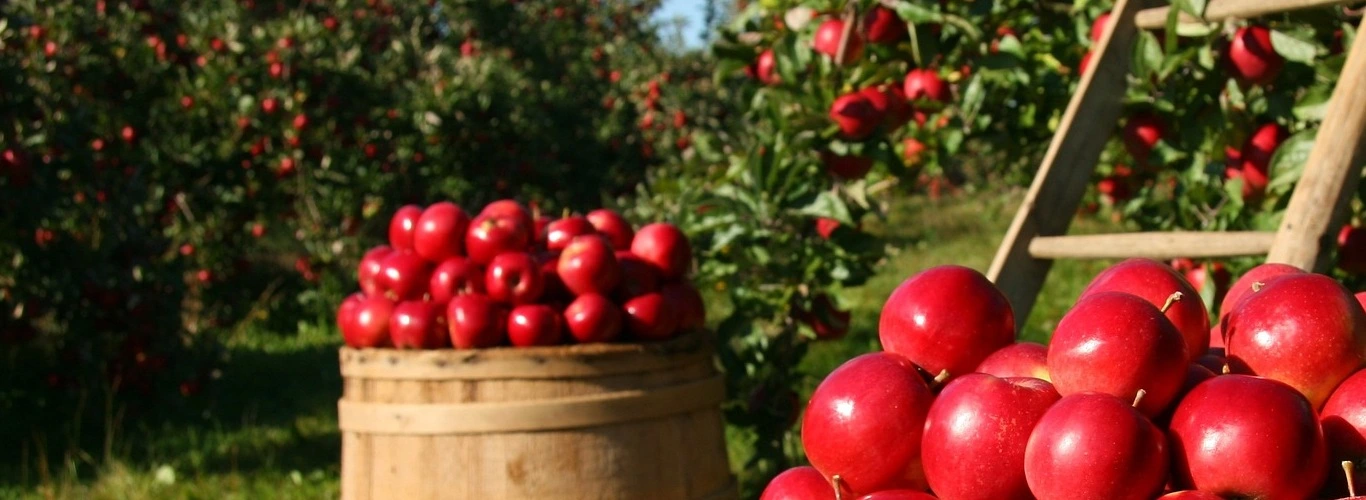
[
  {"x": 1153, "y": 245},
  {"x": 1218, "y": 10}
]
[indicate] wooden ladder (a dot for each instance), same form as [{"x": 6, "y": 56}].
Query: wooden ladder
[{"x": 1317, "y": 206}]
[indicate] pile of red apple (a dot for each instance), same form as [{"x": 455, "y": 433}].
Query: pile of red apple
[
  {"x": 1135, "y": 397},
  {"x": 508, "y": 278}
]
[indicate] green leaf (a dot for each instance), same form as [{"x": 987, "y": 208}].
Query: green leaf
[
  {"x": 1313, "y": 103},
  {"x": 1009, "y": 44},
  {"x": 1193, "y": 7},
  {"x": 1147, "y": 56},
  {"x": 828, "y": 205},
  {"x": 953, "y": 140},
  {"x": 1288, "y": 162},
  {"x": 1292, "y": 48},
  {"x": 1196, "y": 30},
  {"x": 917, "y": 14},
  {"x": 973, "y": 97}
]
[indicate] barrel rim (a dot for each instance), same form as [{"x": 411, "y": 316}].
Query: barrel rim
[{"x": 563, "y": 361}]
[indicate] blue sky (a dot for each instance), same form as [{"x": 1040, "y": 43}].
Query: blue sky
[{"x": 692, "y": 11}]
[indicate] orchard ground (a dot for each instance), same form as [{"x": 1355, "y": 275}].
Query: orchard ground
[{"x": 272, "y": 432}]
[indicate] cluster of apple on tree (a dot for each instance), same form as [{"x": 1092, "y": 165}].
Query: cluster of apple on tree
[
  {"x": 877, "y": 108},
  {"x": 1220, "y": 119},
  {"x": 1136, "y": 396},
  {"x": 1251, "y": 60},
  {"x": 507, "y": 277}
]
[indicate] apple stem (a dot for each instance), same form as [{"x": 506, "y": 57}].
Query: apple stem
[
  {"x": 838, "y": 483},
  {"x": 1138, "y": 397},
  {"x": 942, "y": 377},
  {"x": 1257, "y": 286},
  {"x": 565, "y": 214},
  {"x": 1171, "y": 299},
  {"x": 1226, "y": 369},
  {"x": 1351, "y": 481}
]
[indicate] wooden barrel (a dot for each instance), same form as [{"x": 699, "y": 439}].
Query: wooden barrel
[{"x": 593, "y": 421}]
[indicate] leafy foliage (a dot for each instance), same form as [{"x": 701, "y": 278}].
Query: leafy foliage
[{"x": 172, "y": 170}]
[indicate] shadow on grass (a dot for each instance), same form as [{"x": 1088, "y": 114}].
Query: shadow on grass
[
  {"x": 270, "y": 413},
  {"x": 271, "y": 410}
]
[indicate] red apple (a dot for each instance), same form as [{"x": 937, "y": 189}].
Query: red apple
[
  {"x": 346, "y": 319},
  {"x": 827, "y": 41},
  {"x": 1214, "y": 360},
  {"x": 1251, "y": 57},
  {"x": 1216, "y": 338},
  {"x": 926, "y": 84},
  {"x": 946, "y": 318},
  {"x": 798, "y": 483},
  {"x": 651, "y": 317},
  {"x": 856, "y": 114},
  {"x": 664, "y": 247},
  {"x": 512, "y": 209},
  {"x": 637, "y": 277},
  {"x": 1195, "y": 374},
  {"x": 555, "y": 291},
  {"x": 1155, "y": 282},
  {"x": 514, "y": 278},
  {"x": 534, "y": 325},
  {"x": 1141, "y": 134},
  {"x": 588, "y": 265},
  {"x": 1209, "y": 274},
  {"x": 882, "y": 25},
  {"x": 475, "y": 322},
  {"x": 402, "y": 227},
  {"x": 1255, "y": 160},
  {"x": 766, "y": 68},
  {"x": 371, "y": 267},
  {"x": 826, "y": 227},
  {"x": 1262, "y": 144},
  {"x": 1344, "y": 425},
  {"x": 1099, "y": 26},
  {"x": 1352, "y": 249},
  {"x": 1260, "y": 274},
  {"x": 1093, "y": 445},
  {"x": 613, "y": 226},
  {"x": 1247, "y": 437},
  {"x": 418, "y": 325},
  {"x": 455, "y": 276},
  {"x": 1084, "y": 63},
  {"x": 1113, "y": 189},
  {"x": 851, "y": 167},
  {"x": 692, "y": 312},
  {"x": 864, "y": 423},
  {"x": 1361, "y": 298},
  {"x": 369, "y": 322},
  {"x": 1021, "y": 359},
  {"x": 440, "y": 232},
  {"x": 1305, "y": 330},
  {"x": 538, "y": 228},
  {"x": 593, "y": 318},
  {"x": 404, "y": 276},
  {"x": 825, "y": 318},
  {"x": 976, "y": 432},
  {"x": 899, "y": 110},
  {"x": 912, "y": 151},
  {"x": 558, "y": 233},
  {"x": 1116, "y": 343},
  {"x": 489, "y": 236}
]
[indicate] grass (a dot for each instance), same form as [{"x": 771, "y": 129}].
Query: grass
[{"x": 272, "y": 431}]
